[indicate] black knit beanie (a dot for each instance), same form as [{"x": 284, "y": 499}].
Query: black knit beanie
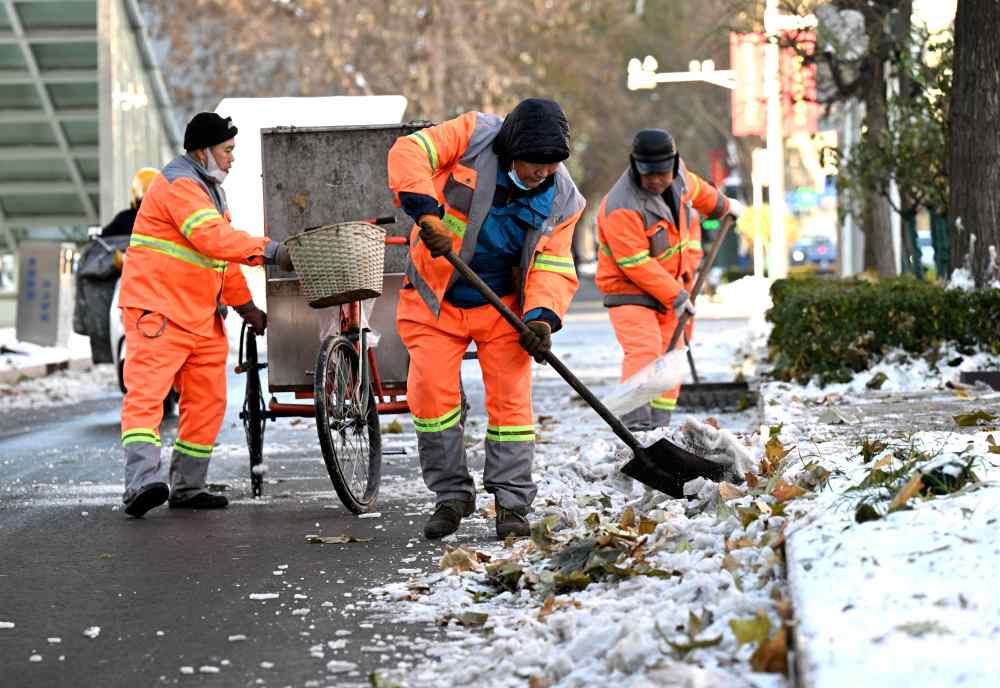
[
  {"x": 207, "y": 129},
  {"x": 535, "y": 131}
]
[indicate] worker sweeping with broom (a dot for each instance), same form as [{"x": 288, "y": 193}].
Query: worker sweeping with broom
[{"x": 648, "y": 253}]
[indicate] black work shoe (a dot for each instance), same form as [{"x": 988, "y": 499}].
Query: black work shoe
[
  {"x": 202, "y": 500},
  {"x": 446, "y": 518},
  {"x": 151, "y": 496},
  {"x": 511, "y": 523}
]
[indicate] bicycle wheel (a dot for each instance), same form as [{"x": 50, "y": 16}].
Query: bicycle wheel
[
  {"x": 252, "y": 415},
  {"x": 348, "y": 425}
]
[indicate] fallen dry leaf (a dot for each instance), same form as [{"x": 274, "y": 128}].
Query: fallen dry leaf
[
  {"x": 540, "y": 682},
  {"x": 907, "y": 491},
  {"x": 647, "y": 525},
  {"x": 553, "y": 604},
  {"x": 628, "y": 518},
  {"x": 753, "y": 630},
  {"x": 772, "y": 656},
  {"x": 728, "y": 491},
  {"x": 713, "y": 421},
  {"x": 457, "y": 560},
  {"x": 784, "y": 492}
]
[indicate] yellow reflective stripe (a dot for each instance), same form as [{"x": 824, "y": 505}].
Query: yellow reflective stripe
[
  {"x": 510, "y": 433},
  {"x": 634, "y": 261},
  {"x": 696, "y": 183},
  {"x": 173, "y": 250},
  {"x": 198, "y": 218},
  {"x": 454, "y": 225},
  {"x": 663, "y": 404},
  {"x": 695, "y": 246},
  {"x": 147, "y": 435},
  {"x": 428, "y": 146},
  {"x": 674, "y": 250},
  {"x": 553, "y": 263},
  {"x": 440, "y": 423},
  {"x": 605, "y": 249},
  {"x": 198, "y": 451}
]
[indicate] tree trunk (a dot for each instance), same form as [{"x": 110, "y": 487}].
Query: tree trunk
[
  {"x": 875, "y": 221},
  {"x": 975, "y": 141}
]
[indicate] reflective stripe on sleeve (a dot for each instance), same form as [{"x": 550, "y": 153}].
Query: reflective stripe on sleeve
[
  {"x": 198, "y": 218},
  {"x": 174, "y": 250},
  {"x": 428, "y": 146},
  {"x": 554, "y": 263},
  {"x": 634, "y": 261}
]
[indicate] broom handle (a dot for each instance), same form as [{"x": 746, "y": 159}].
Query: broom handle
[{"x": 727, "y": 222}]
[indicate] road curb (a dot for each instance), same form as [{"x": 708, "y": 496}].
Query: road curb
[{"x": 9, "y": 376}]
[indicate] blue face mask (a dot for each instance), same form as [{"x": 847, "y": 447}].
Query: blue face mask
[{"x": 517, "y": 182}]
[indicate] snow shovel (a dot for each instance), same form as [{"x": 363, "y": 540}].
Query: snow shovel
[
  {"x": 663, "y": 466},
  {"x": 665, "y": 371}
]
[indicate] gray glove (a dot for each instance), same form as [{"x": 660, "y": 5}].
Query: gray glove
[
  {"x": 276, "y": 253},
  {"x": 683, "y": 303}
]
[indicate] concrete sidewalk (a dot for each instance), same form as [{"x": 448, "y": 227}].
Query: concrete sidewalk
[
  {"x": 21, "y": 360},
  {"x": 908, "y": 598}
]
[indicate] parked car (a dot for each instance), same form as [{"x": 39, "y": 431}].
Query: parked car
[{"x": 817, "y": 253}]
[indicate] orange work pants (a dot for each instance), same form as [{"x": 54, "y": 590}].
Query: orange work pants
[
  {"x": 160, "y": 354},
  {"x": 436, "y": 347},
  {"x": 644, "y": 335}
]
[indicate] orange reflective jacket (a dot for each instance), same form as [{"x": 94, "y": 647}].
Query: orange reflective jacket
[
  {"x": 182, "y": 257},
  {"x": 643, "y": 248},
  {"x": 454, "y": 162}
]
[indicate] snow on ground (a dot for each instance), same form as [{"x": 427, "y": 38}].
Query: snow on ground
[
  {"x": 891, "y": 583},
  {"x": 618, "y": 585},
  {"x": 20, "y": 355},
  {"x": 59, "y": 389}
]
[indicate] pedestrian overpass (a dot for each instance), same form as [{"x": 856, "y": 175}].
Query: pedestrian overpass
[{"x": 82, "y": 106}]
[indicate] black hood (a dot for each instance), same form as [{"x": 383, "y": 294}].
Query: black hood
[{"x": 535, "y": 131}]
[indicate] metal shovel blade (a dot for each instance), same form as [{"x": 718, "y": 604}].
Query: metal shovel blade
[{"x": 666, "y": 467}]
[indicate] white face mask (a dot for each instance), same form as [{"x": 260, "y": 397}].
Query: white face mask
[
  {"x": 214, "y": 171},
  {"x": 517, "y": 182}
]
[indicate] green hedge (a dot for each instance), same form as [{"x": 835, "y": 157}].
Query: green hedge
[{"x": 835, "y": 328}]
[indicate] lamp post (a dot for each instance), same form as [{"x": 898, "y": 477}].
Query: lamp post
[{"x": 643, "y": 75}]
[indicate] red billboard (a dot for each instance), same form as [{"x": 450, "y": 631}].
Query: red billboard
[
  {"x": 800, "y": 111},
  {"x": 749, "y": 102}
]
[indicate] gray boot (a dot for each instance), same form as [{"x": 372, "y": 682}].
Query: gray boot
[{"x": 638, "y": 420}]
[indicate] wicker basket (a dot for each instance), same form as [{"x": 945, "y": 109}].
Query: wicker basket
[{"x": 339, "y": 263}]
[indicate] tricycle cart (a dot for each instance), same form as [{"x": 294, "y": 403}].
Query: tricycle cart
[{"x": 312, "y": 177}]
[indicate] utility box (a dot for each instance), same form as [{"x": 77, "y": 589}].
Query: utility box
[{"x": 46, "y": 292}]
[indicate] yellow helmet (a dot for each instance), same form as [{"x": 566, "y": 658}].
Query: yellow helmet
[{"x": 141, "y": 181}]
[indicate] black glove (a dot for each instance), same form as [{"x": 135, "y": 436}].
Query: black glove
[
  {"x": 537, "y": 339},
  {"x": 435, "y": 236},
  {"x": 255, "y": 317}
]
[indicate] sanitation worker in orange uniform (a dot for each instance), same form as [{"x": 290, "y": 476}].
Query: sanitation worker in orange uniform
[
  {"x": 649, "y": 254},
  {"x": 180, "y": 271},
  {"x": 496, "y": 193}
]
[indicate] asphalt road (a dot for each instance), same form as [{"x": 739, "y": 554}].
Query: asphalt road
[{"x": 176, "y": 595}]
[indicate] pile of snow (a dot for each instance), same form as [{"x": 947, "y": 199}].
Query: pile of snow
[
  {"x": 636, "y": 629},
  {"x": 62, "y": 388}
]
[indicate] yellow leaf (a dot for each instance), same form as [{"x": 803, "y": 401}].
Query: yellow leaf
[
  {"x": 906, "y": 492},
  {"x": 628, "y": 518},
  {"x": 753, "y": 630},
  {"x": 647, "y": 526}
]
